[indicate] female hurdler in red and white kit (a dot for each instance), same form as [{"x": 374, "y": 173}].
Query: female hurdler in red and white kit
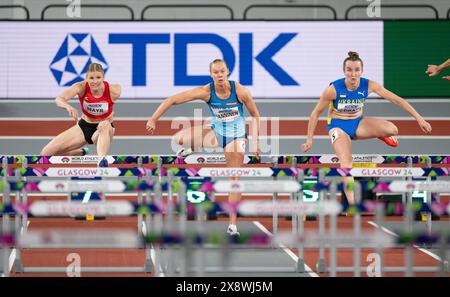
[{"x": 97, "y": 98}]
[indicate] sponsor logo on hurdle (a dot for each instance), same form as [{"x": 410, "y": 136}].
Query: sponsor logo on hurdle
[
  {"x": 376, "y": 159},
  {"x": 286, "y": 208},
  {"x": 209, "y": 159},
  {"x": 115, "y": 186},
  {"x": 79, "y": 238},
  {"x": 82, "y": 172},
  {"x": 97, "y": 208},
  {"x": 393, "y": 171},
  {"x": 78, "y": 159},
  {"x": 228, "y": 172},
  {"x": 408, "y": 186},
  {"x": 260, "y": 186}
]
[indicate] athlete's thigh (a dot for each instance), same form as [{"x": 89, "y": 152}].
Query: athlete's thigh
[
  {"x": 342, "y": 145},
  {"x": 97, "y": 134},
  {"x": 234, "y": 152},
  {"x": 372, "y": 128},
  {"x": 209, "y": 137},
  {"x": 68, "y": 140}
]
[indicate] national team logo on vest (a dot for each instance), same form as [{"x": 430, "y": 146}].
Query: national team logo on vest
[{"x": 75, "y": 54}]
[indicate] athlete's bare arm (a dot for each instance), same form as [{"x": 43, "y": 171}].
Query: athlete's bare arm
[
  {"x": 327, "y": 96},
  {"x": 202, "y": 93},
  {"x": 63, "y": 99}
]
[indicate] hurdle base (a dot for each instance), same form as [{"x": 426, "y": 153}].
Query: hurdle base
[
  {"x": 321, "y": 265},
  {"x": 422, "y": 217},
  {"x": 94, "y": 218}
]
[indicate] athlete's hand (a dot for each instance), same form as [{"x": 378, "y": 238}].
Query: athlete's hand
[
  {"x": 424, "y": 125},
  {"x": 432, "y": 70},
  {"x": 73, "y": 112},
  {"x": 151, "y": 126},
  {"x": 446, "y": 77},
  {"x": 307, "y": 146}
]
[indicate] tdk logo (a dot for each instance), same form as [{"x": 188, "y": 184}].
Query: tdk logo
[
  {"x": 70, "y": 63},
  {"x": 79, "y": 50},
  {"x": 181, "y": 42}
]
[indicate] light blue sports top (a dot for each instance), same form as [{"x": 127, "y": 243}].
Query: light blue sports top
[{"x": 227, "y": 114}]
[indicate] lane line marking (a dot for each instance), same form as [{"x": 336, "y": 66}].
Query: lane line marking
[
  {"x": 390, "y": 232},
  {"x": 287, "y": 250},
  {"x": 152, "y": 252}
]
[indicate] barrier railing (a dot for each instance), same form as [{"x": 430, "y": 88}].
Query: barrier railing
[{"x": 153, "y": 181}]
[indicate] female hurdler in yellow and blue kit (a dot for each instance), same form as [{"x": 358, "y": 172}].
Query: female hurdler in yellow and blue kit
[{"x": 345, "y": 98}]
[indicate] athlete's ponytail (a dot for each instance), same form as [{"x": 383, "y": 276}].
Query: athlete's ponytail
[{"x": 353, "y": 56}]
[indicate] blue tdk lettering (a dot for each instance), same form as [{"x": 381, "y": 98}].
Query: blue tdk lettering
[
  {"x": 180, "y": 64},
  {"x": 139, "y": 43},
  {"x": 181, "y": 41}
]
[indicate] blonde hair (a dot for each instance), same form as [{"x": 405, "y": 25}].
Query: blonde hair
[
  {"x": 217, "y": 61},
  {"x": 94, "y": 67}
]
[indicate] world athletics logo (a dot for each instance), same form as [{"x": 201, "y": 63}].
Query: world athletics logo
[{"x": 73, "y": 58}]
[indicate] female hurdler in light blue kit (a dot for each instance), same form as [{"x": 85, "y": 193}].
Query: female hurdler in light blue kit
[
  {"x": 225, "y": 99},
  {"x": 345, "y": 98}
]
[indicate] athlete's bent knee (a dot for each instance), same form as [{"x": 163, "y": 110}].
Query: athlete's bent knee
[
  {"x": 393, "y": 130},
  {"x": 48, "y": 151}
]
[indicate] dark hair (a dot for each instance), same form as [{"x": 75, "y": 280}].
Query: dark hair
[
  {"x": 353, "y": 56},
  {"x": 93, "y": 67},
  {"x": 216, "y": 61}
]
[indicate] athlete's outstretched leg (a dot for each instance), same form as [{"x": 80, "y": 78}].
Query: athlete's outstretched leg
[
  {"x": 68, "y": 143},
  {"x": 234, "y": 156},
  {"x": 373, "y": 128},
  {"x": 194, "y": 138},
  {"x": 342, "y": 146}
]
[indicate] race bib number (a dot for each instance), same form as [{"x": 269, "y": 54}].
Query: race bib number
[
  {"x": 96, "y": 108},
  {"x": 350, "y": 108},
  {"x": 226, "y": 114}
]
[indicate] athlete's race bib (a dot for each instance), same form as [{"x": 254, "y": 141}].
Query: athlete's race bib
[
  {"x": 98, "y": 109},
  {"x": 226, "y": 114},
  {"x": 350, "y": 107}
]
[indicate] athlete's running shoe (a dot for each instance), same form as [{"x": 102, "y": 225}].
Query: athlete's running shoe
[
  {"x": 184, "y": 152},
  {"x": 391, "y": 141},
  {"x": 103, "y": 162},
  {"x": 232, "y": 230}
]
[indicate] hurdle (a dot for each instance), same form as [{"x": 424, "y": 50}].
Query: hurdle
[
  {"x": 287, "y": 172},
  {"x": 25, "y": 174},
  {"x": 314, "y": 242}
]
